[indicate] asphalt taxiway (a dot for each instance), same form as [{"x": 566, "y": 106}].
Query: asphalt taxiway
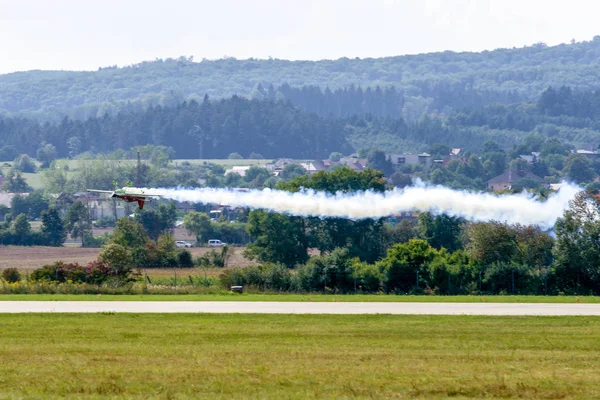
[{"x": 255, "y": 307}]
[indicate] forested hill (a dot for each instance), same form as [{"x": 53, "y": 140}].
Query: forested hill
[
  {"x": 216, "y": 128},
  {"x": 510, "y": 74}
]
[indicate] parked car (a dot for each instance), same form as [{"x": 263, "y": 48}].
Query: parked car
[
  {"x": 181, "y": 243},
  {"x": 216, "y": 243}
]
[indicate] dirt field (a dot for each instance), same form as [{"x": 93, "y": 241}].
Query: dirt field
[
  {"x": 28, "y": 258},
  {"x": 178, "y": 233}
]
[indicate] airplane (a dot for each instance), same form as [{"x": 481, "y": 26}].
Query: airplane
[{"x": 129, "y": 194}]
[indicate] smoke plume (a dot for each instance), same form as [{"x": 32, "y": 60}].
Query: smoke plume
[{"x": 513, "y": 208}]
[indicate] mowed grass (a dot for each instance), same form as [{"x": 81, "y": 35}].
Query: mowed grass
[
  {"x": 297, "y": 356},
  {"x": 286, "y": 297}
]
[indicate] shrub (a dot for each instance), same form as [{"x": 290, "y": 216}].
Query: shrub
[
  {"x": 266, "y": 277},
  {"x": 235, "y": 156},
  {"x": 184, "y": 259},
  {"x": 11, "y": 275},
  {"x": 94, "y": 273},
  {"x": 216, "y": 259}
]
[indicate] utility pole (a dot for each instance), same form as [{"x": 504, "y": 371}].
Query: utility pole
[{"x": 138, "y": 178}]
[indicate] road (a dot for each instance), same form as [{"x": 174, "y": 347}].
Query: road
[{"x": 298, "y": 308}]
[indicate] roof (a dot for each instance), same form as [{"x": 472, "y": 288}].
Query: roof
[
  {"x": 240, "y": 170},
  {"x": 587, "y": 152},
  {"x": 282, "y": 162},
  {"x": 455, "y": 151},
  {"x": 353, "y": 160},
  {"x": 313, "y": 166},
  {"x": 6, "y": 198},
  {"x": 530, "y": 159},
  {"x": 513, "y": 175}
]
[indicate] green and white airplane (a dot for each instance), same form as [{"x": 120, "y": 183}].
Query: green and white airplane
[{"x": 129, "y": 194}]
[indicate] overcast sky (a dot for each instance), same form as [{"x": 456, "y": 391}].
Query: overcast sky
[{"x": 87, "y": 34}]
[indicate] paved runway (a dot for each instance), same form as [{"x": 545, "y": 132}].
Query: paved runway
[{"x": 248, "y": 307}]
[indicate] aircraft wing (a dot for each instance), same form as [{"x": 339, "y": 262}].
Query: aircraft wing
[
  {"x": 99, "y": 191},
  {"x": 138, "y": 192}
]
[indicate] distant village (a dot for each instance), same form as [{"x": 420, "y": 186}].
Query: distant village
[{"x": 102, "y": 207}]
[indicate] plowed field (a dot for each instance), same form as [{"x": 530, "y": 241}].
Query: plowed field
[{"x": 27, "y": 258}]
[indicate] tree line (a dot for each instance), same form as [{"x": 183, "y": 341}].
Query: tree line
[{"x": 344, "y": 121}]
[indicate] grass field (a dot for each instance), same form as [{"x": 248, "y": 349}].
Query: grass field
[
  {"x": 73, "y": 164},
  {"x": 275, "y": 356},
  {"x": 230, "y": 296}
]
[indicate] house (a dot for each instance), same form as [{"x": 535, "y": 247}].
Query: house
[
  {"x": 313, "y": 167},
  {"x": 6, "y": 198},
  {"x": 240, "y": 170},
  {"x": 456, "y": 152},
  {"x": 505, "y": 180},
  {"x": 399, "y": 160},
  {"x": 101, "y": 207},
  {"x": 592, "y": 155},
  {"x": 357, "y": 164}
]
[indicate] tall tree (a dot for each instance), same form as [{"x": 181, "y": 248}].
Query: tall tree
[
  {"x": 198, "y": 224},
  {"x": 278, "y": 238},
  {"x": 577, "y": 249},
  {"x": 77, "y": 221},
  {"x": 53, "y": 227},
  {"x": 441, "y": 231}
]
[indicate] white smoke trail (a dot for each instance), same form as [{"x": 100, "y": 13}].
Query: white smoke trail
[{"x": 516, "y": 208}]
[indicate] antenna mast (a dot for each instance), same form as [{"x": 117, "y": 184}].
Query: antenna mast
[{"x": 138, "y": 178}]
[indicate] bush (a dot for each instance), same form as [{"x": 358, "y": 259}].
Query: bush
[
  {"x": 184, "y": 259},
  {"x": 94, "y": 273},
  {"x": 11, "y": 275},
  {"x": 235, "y": 156},
  {"x": 267, "y": 277},
  {"x": 216, "y": 259},
  {"x": 368, "y": 277}
]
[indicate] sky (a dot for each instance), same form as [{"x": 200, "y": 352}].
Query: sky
[{"x": 87, "y": 34}]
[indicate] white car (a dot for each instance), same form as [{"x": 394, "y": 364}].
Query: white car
[
  {"x": 216, "y": 243},
  {"x": 181, "y": 243}
]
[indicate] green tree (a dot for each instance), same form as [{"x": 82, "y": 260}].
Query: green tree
[
  {"x": 116, "y": 257},
  {"x": 441, "y": 231},
  {"x": 256, "y": 176},
  {"x": 24, "y": 164},
  {"x": 291, "y": 171},
  {"x": 36, "y": 203},
  {"x": 157, "y": 222},
  {"x": 45, "y": 154},
  {"x": 363, "y": 238},
  {"x": 14, "y": 182},
  {"x": 21, "y": 229},
  {"x": 335, "y": 156},
  {"x": 278, "y": 238},
  {"x": 491, "y": 242},
  {"x": 405, "y": 263},
  {"x": 377, "y": 160},
  {"x": 198, "y": 224},
  {"x": 578, "y": 168},
  {"x": 77, "y": 221},
  {"x": 129, "y": 233},
  {"x": 167, "y": 250},
  {"x": 19, "y": 204},
  {"x": 534, "y": 246},
  {"x": 576, "y": 252},
  {"x": 400, "y": 180},
  {"x": 53, "y": 227}
]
